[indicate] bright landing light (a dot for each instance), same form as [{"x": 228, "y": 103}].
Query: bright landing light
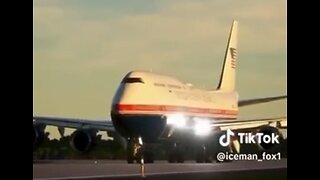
[
  {"x": 177, "y": 120},
  {"x": 202, "y": 127}
]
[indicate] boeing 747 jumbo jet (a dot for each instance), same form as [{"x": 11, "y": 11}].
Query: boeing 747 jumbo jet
[{"x": 149, "y": 108}]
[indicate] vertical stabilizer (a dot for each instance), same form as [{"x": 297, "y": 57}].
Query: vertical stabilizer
[{"x": 228, "y": 74}]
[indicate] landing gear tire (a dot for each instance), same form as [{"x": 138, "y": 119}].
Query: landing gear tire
[
  {"x": 130, "y": 152},
  {"x": 148, "y": 157},
  {"x": 176, "y": 153},
  {"x": 180, "y": 157},
  {"x": 202, "y": 155},
  {"x": 129, "y": 159},
  {"x": 171, "y": 158}
]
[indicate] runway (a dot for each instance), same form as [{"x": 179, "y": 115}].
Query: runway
[{"x": 58, "y": 170}]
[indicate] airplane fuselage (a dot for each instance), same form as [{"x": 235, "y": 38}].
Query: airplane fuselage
[{"x": 144, "y": 101}]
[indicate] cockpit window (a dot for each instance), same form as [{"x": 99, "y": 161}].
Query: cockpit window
[{"x": 132, "y": 80}]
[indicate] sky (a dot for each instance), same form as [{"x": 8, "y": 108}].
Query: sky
[{"x": 82, "y": 49}]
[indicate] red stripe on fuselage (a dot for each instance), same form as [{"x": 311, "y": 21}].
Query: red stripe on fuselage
[{"x": 168, "y": 108}]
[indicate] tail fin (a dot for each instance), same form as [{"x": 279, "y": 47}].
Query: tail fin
[{"x": 228, "y": 74}]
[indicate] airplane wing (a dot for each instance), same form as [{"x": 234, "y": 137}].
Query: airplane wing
[
  {"x": 76, "y": 123},
  {"x": 280, "y": 122},
  {"x": 247, "y": 102}
]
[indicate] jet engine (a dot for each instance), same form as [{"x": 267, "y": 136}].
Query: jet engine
[{"x": 83, "y": 140}]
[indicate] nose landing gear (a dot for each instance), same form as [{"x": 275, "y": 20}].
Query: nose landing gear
[{"x": 135, "y": 152}]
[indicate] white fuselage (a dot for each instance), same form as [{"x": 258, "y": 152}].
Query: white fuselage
[
  {"x": 148, "y": 104},
  {"x": 163, "y": 95}
]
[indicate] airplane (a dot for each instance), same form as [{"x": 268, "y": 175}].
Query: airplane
[{"x": 149, "y": 107}]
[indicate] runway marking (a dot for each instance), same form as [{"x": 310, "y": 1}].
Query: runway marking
[{"x": 153, "y": 174}]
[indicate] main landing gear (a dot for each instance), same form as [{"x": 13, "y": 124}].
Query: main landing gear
[
  {"x": 203, "y": 154},
  {"x": 176, "y": 152}
]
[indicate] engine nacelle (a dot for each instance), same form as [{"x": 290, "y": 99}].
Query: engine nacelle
[
  {"x": 83, "y": 140},
  {"x": 38, "y": 134},
  {"x": 271, "y": 132}
]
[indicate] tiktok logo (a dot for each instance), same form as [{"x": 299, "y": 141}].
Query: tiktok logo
[
  {"x": 224, "y": 140},
  {"x": 250, "y": 138}
]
